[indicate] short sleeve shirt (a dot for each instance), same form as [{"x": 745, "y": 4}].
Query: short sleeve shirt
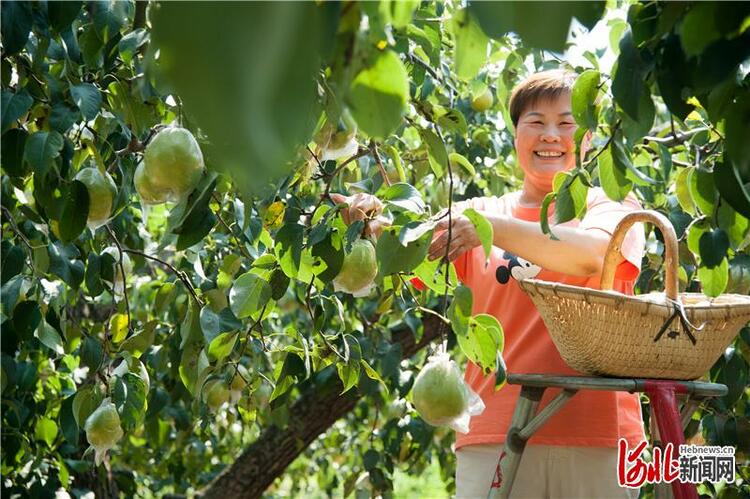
[{"x": 590, "y": 418}]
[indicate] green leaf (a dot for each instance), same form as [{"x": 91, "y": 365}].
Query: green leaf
[
  {"x": 92, "y": 353},
  {"x": 88, "y": 99},
  {"x": 75, "y": 213},
  {"x": 279, "y": 282},
  {"x": 672, "y": 71},
  {"x": 452, "y": 120},
  {"x": 459, "y": 311},
  {"x": 622, "y": 161},
  {"x": 14, "y": 105},
  {"x": 13, "y": 261},
  {"x": 713, "y": 246},
  {"x": 131, "y": 42},
  {"x": 139, "y": 343},
  {"x": 13, "y": 145},
  {"x": 615, "y": 183},
  {"x": 432, "y": 275},
  {"x": 634, "y": 130},
  {"x": 46, "y": 431},
  {"x": 41, "y": 150},
  {"x": 91, "y": 46},
  {"x": 437, "y": 155},
  {"x": 118, "y": 327},
  {"x": 525, "y": 18},
  {"x": 393, "y": 257},
  {"x": 413, "y": 231},
  {"x": 63, "y": 116},
  {"x": 484, "y": 230},
  {"x": 193, "y": 361},
  {"x": 370, "y": 459},
  {"x": 349, "y": 371},
  {"x": 64, "y": 263},
  {"x": 221, "y": 346},
  {"x": 111, "y": 17},
  {"x": 86, "y": 400},
  {"x": 731, "y": 188},
  {"x": 735, "y": 224},
  {"x": 544, "y": 215},
  {"x": 254, "y": 109},
  {"x": 378, "y": 95},
  {"x": 50, "y": 338},
  {"x": 457, "y": 159},
  {"x": 405, "y": 197},
  {"x": 129, "y": 108},
  {"x": 714, "y": 280},
  {"x": 94, "y": 285},
  {"x": 130, "y": 400},
  {"x": 571, "y": 197},
  {"x": 470, "y": 52},
  {"x": 62, "y": 14},
  {"x": 68, "y": 422},
  {"x": 628, "y": 83},
  {"x": 501, "y": 372},
  {"x": 703, "y": 191},
  {"x": 26, "y": 318},
  {"x": 288, "y": 248},
  {"x": 289, "y": 372},
  {"x": 331, "y": 251},
  {"x": 483, "y": 341},
  {"x": 694, "y": 234},
  {"x": 737, "y": 131},
  {"x": 697, "y": 30},
  {"x": 213, "y": 324},
  {"x": 682, "y": 190},
  {"x": 17, "y": 19},
  {"x": 373, "y": 375},
  {"x": 583, "y": 99},
  {"x": 249, "y": 295},
  {"x": 199, "y": 219}
]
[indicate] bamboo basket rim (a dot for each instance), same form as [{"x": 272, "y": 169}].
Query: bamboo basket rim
[{"x": 652, "y": 298}]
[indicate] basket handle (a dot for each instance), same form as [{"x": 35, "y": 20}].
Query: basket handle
[{"x": 612, "y": 255}]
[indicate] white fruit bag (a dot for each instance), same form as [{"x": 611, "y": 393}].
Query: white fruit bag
[{"x": 442, "y": 397}]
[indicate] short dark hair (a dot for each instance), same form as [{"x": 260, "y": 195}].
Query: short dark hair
[{"x": 547, "y": 85}]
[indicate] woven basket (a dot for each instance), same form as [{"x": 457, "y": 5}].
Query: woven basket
[{"x": 666, "y": 335}]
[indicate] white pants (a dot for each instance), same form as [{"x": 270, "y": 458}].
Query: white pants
[{"x": 546, "y": 471}]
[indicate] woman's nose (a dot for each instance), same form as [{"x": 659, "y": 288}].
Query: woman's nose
[{"x": 550, "y": 134}]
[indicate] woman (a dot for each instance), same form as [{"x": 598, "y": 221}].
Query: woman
[{"x": 575, "y": 453}]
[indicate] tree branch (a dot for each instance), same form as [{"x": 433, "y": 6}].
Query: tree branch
[
  {"x": 124, "y": 277},
  {"x": 180, "y": 274}
]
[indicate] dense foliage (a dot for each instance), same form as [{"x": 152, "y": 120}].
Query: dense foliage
[{"x": 202, "y": 320}]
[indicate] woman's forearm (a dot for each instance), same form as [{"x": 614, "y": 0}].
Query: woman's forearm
[{"x": 577, "y": 252}]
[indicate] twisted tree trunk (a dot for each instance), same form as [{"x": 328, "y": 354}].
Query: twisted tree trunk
[{"x": 267, "y": 458}]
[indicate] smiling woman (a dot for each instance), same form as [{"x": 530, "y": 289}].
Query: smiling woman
[{"x": 590, "y": 426}]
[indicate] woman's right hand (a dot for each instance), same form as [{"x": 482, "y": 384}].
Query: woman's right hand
[{"x": 365, "y": 207}]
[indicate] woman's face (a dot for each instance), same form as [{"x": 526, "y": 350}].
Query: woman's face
[{"x": 544, "y": 140}]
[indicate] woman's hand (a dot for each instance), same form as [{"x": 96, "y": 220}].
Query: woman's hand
[
  {"x": 363, "y": 207},
  {"x": 463, "y": 237}
]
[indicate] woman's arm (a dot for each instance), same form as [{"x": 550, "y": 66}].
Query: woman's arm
[{"x": 578, "y": 252}]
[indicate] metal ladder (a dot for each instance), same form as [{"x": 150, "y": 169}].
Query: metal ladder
[{"x": 664, "y": 409}]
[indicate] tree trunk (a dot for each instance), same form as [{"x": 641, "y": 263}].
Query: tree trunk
[{"x": 267, "y": 458}]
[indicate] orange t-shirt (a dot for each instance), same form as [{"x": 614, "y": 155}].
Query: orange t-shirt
[{"x": 590, "y": 418}]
